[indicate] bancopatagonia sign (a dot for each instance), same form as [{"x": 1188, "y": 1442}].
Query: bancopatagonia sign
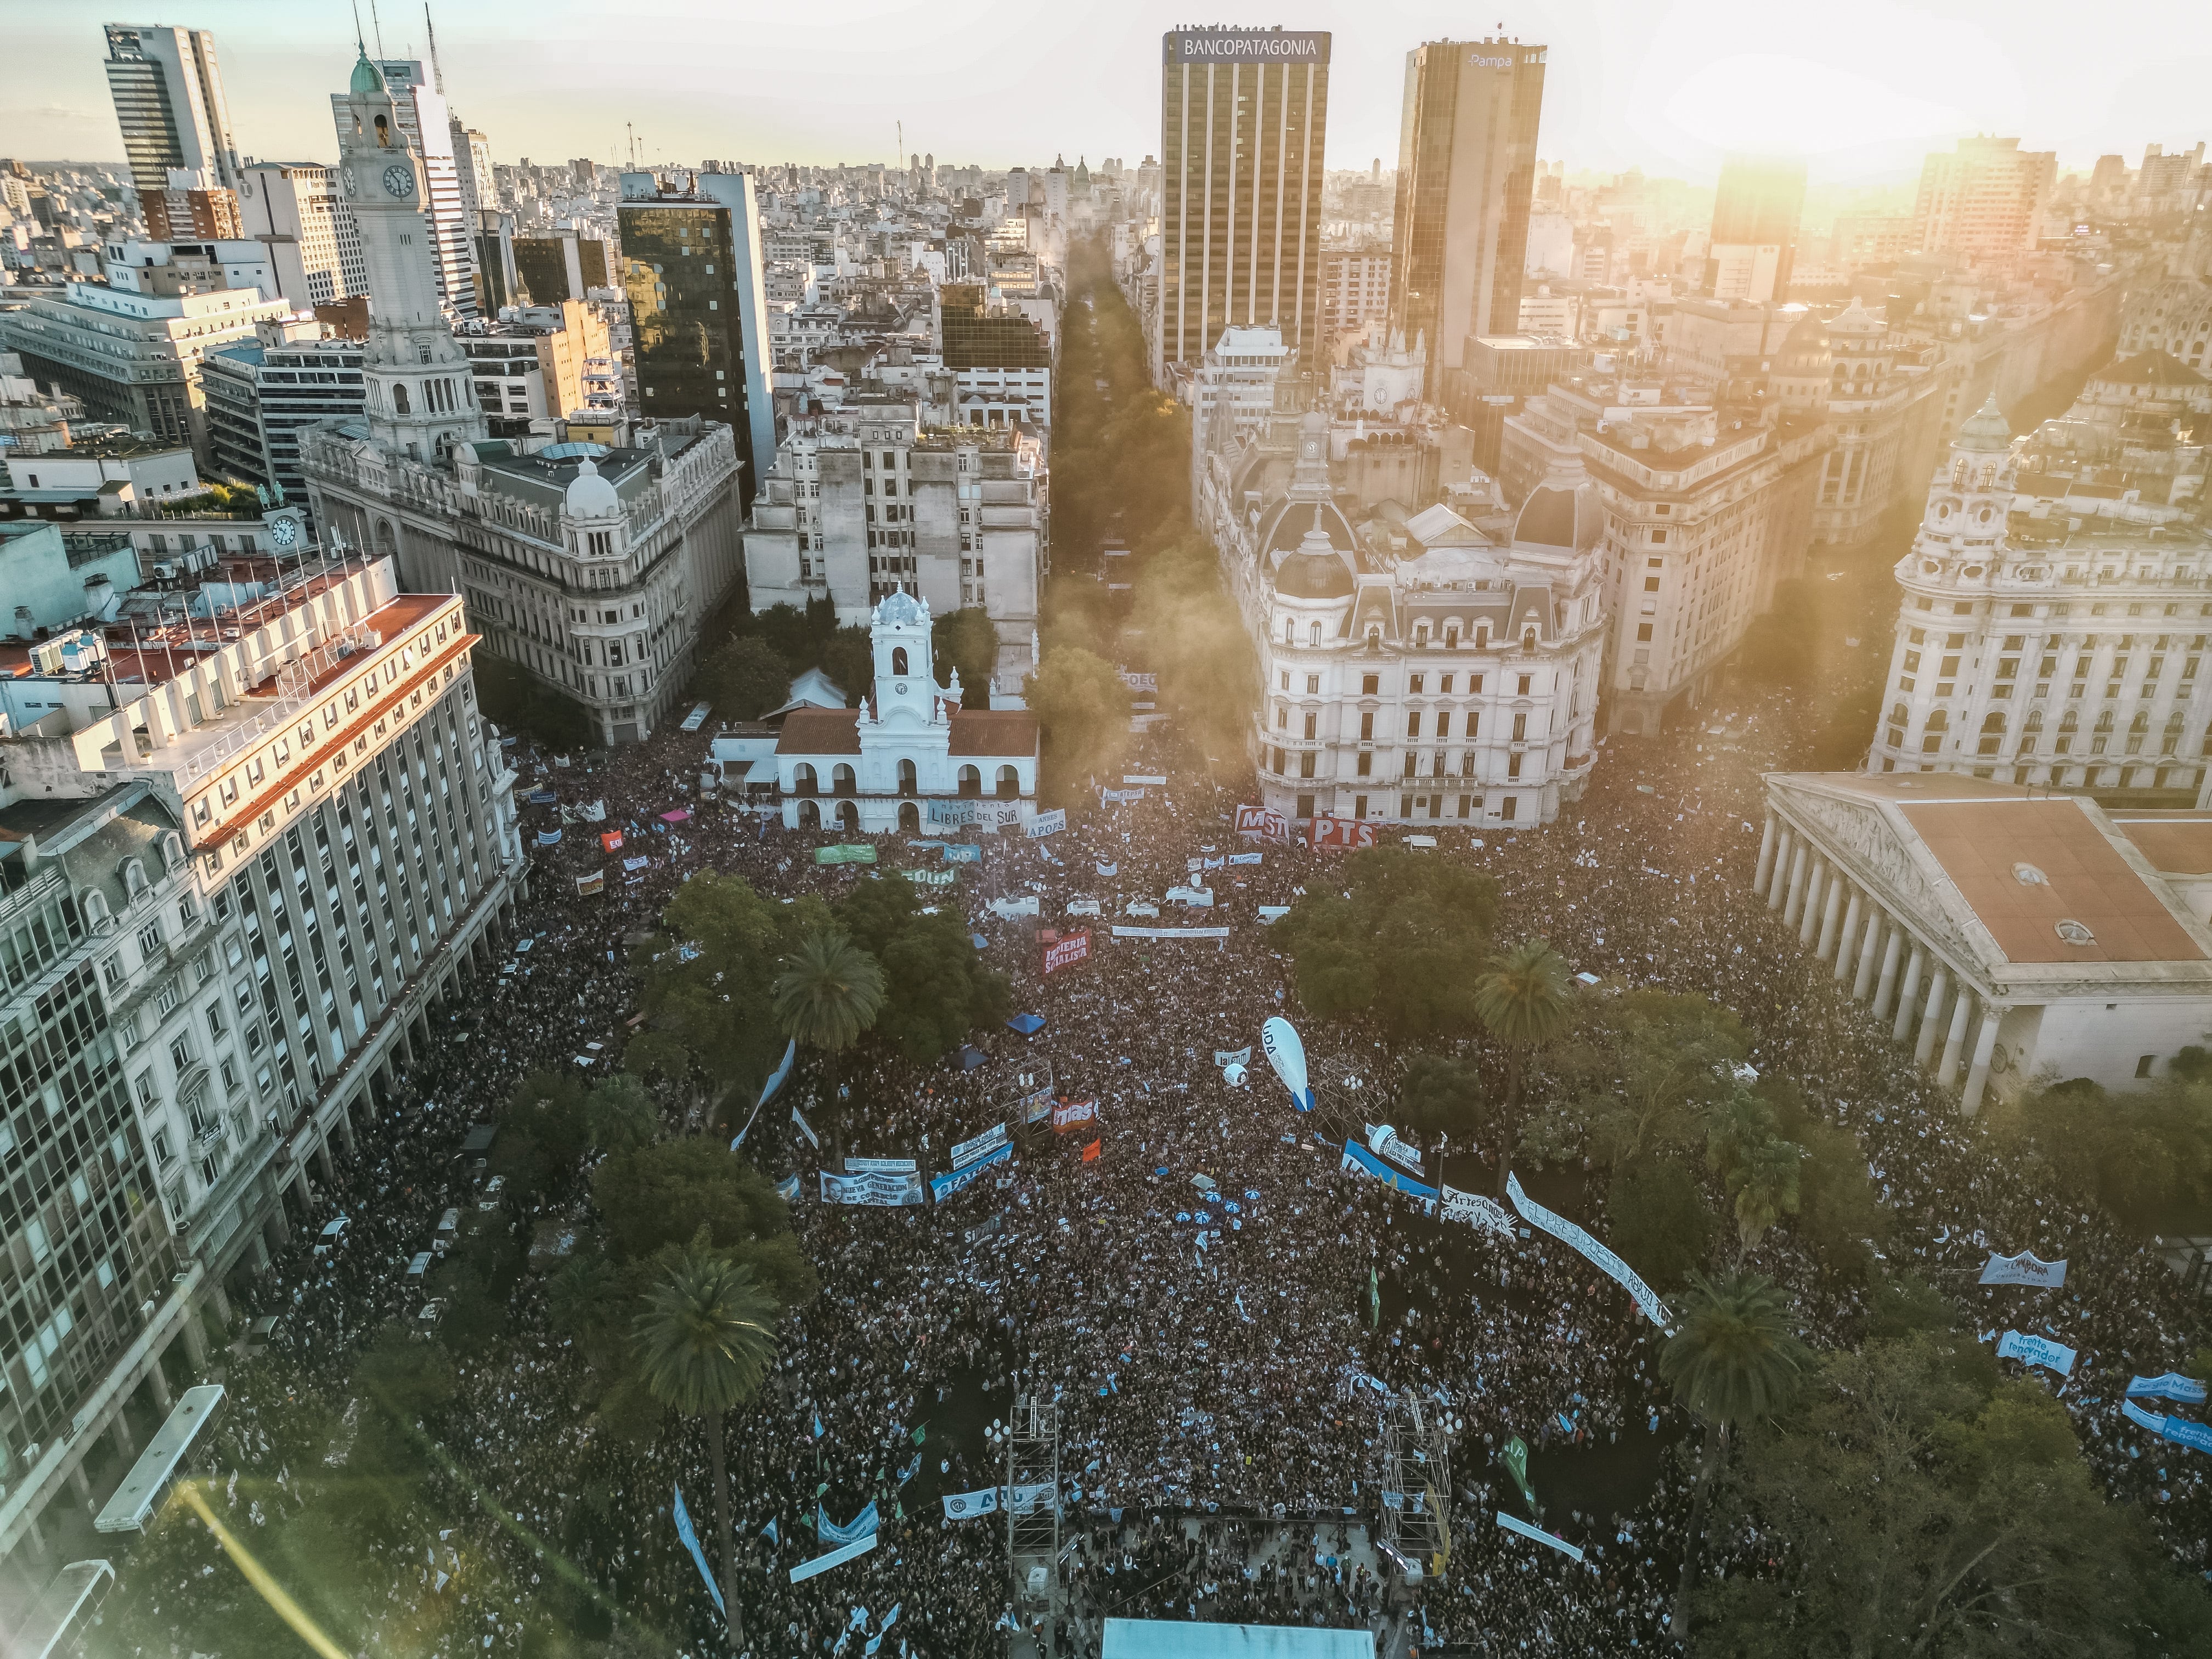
[{"x": 1247, "y": 46}]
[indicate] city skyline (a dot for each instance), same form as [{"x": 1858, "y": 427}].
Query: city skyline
[{"x": 1667, "y": 90}]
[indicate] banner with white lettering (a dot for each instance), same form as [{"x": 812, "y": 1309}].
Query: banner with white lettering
[
  {"x": 1171, "y": 933},
  {"x": 2025, "y": 1268},
  {"x": 1358, "y": 1160},
  {"x": 1264, "y": 821},
  {"x": 1067, "y": 951},
  {"x": 2035, "y": 1350},
  {"x": 1596, "y": 1253},
  {"x": 1246, "y": 858},
  {"x": 991, "y": 1139},
  {"x": 2171, "y": 1386},
  {"x": 1487, "y": 1213},
  {"x": 943, "y": 1187},
  {"x": 967, "y": 1506},
  {"x": 1074, "y": 1115},
  {"x": 862, "y": 1524},
  {"x": 883, "y": 1191},
  {"x": 1340, "y": 833},
  {"x": 880, "y": 1165}
]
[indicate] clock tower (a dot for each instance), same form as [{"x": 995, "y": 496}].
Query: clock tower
[{"x": 419, "y": 398}]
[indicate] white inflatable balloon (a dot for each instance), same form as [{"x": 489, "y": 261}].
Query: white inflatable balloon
[
  {"x": 1233, "y": 1075},
  {"x": 1288, "y": 1056}
]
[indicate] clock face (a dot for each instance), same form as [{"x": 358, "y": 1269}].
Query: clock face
[
  {"x": 399, "y": 181},
  {"x": 283, "y": 532}
]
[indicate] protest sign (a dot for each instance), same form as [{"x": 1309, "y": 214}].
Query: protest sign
[
  {"x": 1600, "y": 1257},
  {"x": 1067, "y": 952}
]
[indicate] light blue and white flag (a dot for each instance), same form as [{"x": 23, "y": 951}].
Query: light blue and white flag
[
  {"x": 2035, "y": 1350},
  {"x": 685, "y": 1531},
  {"x": 861, "y": 1526},
  {"x": 2025, "y": 1268},
  {"x": 1514, "y": 1524},
  {"x": 770, "y": 1532},
  {"x": 2141, "y": 1417},
  {"x": 838, "y": 1557},
  {"x": 967, "y": 1506}
]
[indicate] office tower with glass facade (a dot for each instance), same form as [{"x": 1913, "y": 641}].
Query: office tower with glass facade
[
  {"x": 1466, "y": 165},
  {"x": 1754, "y": 239},
  {"x": 691, "y": 264},
  {"x": 168, "y": 101},
  {"x": 1243, "y": 113}
]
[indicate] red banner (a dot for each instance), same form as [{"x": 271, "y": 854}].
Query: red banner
[
  {"x": 1264, "y": 821},
  {"x": 612, "y": 840},
  {"x": 1091, "y": 1153},
  {"x": 1067, "y": 952},
  {"x": 1340, "y": 833},
  {"x": 1073, "y": 1114}
]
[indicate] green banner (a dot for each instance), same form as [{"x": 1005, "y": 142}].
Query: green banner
[
  {"x": 929, "y": 878},
  {"x": 847, "y": 852},
  {"x": 1374, "y": 1300},
  {"x": 1515, "y": 1456}
]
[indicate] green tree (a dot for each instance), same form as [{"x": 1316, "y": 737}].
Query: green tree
[
  {"x": 1919, "y": 1505},
  {"x": 966, "y": 640},
  {"x": 1838, "y": 1215},
  {"x": 620, "y": 1114},
  {"x": 544, "y": 1134},
  {"x": 1522, "y": 999},
  {"x": 744, "y": 678},
  {"x": 704, "y": 1339},
  {"x": 1441, "y": 1094},
  {"x": 1194, "y": 638},
  {"x": 1641, "y": 1066},
  {"x": 848, "y": 657},
  {"x": 936, "y": 987},
  {"x": 1402, "y": 941},
  {"x": 827, "y": 996},
  {"x": 1732, "y": 1360},
  {"x": 1658, "y": 1220},
  {"x": 1745, "y": 1147},
  {"x": 654, "y": 1198},
  {"x": 702, "y": 981},
  {"x": 1081, "y": 702}
]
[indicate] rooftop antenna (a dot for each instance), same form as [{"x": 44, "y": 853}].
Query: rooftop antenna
[
  {"x": 360, "y": 38},
  {"x": 376, "y": 23},
  {"x": 437, "y": 75}
]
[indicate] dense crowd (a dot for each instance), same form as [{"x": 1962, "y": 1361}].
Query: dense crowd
[{"x": 1204, "y": 1300}]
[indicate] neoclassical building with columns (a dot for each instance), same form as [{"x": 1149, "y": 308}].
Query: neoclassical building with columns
[{"x": 2012, "y": 937}]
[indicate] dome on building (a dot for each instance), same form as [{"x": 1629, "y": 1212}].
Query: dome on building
[
  {"x": 1987, "y": 431},
  {"x": 1805, "y": 350},
  {"x": 1856, "y": 319},
  {"x": 899, "y": 608},
  {"x": 367, "y": 78},
  {"x": 1314, "y": 569},
  {"x": 590, "y": 495},
  {"x": 1560, "y": 513}
]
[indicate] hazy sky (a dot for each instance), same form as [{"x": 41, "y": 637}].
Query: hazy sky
[{"x": 1863, "y": 89}]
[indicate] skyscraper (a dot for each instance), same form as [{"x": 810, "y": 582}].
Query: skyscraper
[
  {"x": 427, "y": 126},
  {"x": 168, "y": 101},
  {"x": 1755, "y": 238},
  {"x": 1983, "y": 201},
  {"x": 1466, "y": 164},
  {"x": 691, "y": 263},
  {"x": 1243, "y": 116}
]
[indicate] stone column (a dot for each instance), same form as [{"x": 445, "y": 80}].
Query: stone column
[
  {"x": 1908, "y": 991},
  {"x": 1869, "y": 952},
  {"x": 1816, "y": 888},
  {"x": 219, "y": 1299},
  {"x": 299, "y": 1185},
  {"x": 1977, "y": 1073},
  {"x": 1831, "y": 917},
  {"x": 1955, "y": 1040},
  {"x": 323, "y": 1158},
  {"x": 1939, "y": 991},
  {"x": 1766, "y": 871},
  {"x": 1786, "y": 893},
  {"x": 1847, "y": 958},
  {"x": 1886, "y": 983},
  {"x": 345, "y": 1126},
  {"x": 80, "y": 1483},
  {"x": 123, "y": 1437},
  {"x": 158, "y": 1380},
  {"x": 196, "y": 1346}
]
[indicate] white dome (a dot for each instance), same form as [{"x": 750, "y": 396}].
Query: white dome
[{"x": 590, "y": 495}]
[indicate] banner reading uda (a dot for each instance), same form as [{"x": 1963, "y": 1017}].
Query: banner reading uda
[
  {"x": 1264, "y": 821},
  {"x": 1341, "y": 833},
  {"x": 1068, "y": 951}
]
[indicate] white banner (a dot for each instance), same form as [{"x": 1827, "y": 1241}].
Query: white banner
[
  {"x": 1083, "y": 906},
  {"x": 837, "y": 1558},
  {"x": 1171, "y": 933},
  {"x": 1027, "y": 1500},
  {"x": 1600, "y": 1257},
  {"x": 886, "y": 1191},
  {"x": 1514, "y": 1524},
  {"x": 806, "y": 1129},
  {"x": 1233, "y": 1057},
  {"x": 1144, "y": 777},
  {"x": 881, "y": 1165},
  {"x": 967, "y": 1506},
  {"x": 1475, "y": 1210},
  {"x": 1198, "y": 898},
  {"x": 967, "y": 1150},
  {"x": 1046, "y": 823},
  {"x": 2035, "y": 1350},
  {"x": 2025, "y": 1268},
  {"x": 1007, "y": 909}
]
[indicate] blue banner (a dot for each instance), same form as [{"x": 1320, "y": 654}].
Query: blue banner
[
  {"x": 1514, "y": 1524},
  {"x": 549, "y": 837},
  {"x": 2172, "y": 1386},
  {"x": 807, "y": 1570},
  {"x": 2035, "y": 1350},
  {"x": 691, "y": 1538},
  {"x": 1358, "y": 1160},
  {"x": 943, "y": 1187},
  {"x": 963, "y": 852},
  {"x": 863, "y": 1524}
]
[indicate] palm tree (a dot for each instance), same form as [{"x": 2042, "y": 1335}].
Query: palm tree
[
  {"x": 830, "y": 991},
  {"x": 1765, "y": 1185},
  {"x": 1732, "y": 1360},
  {"x": 1522, "y": 1000},
  {"x": 703, "y": 1340}
]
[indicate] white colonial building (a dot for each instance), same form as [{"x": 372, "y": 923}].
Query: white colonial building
[
  {"x": 877, "y": 770},
  {"x": 1426, "y": 670}
]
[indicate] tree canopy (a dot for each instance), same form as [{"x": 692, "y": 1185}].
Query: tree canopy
[
  {"x": 1640, "y": 1068},
  {"x": 1194, "y": 639},
  {"x": 743, "y": 677},
  {"x": 1083, "y": 705},
  {"x": 936, "y": 987},
  {"x": 1401, "y": 940},
  {"x": 967, "y": 640}
]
